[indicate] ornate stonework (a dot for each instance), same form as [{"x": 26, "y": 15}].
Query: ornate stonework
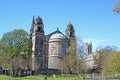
[{"x": 48, "y": 50}]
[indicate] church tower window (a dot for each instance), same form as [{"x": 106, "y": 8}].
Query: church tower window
[
  {"x": 39, "y": 29},
  {"x": 52, "y": 51},
  {"x": 62, "y": 51}
]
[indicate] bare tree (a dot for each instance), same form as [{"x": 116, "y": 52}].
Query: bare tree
[{"x": 116, "y": 8}]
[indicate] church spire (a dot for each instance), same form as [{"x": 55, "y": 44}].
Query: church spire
[
  {"x": 32, "y": 27},
  {"x": 33, "y": 21}
]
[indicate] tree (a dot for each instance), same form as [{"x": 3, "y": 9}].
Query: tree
[
  {"x": 113, "y": 65},
  {"x": 70, "y": 62},
  {"x": 80, "y": 52},
  {"x": 105, "y": 60},
  {"x": 16, "y": 46},
  {"x": 5, "y": 58},
  {"x": 116, "y": 8},
  {"x": 80, "y": 49},
  {"x": 103, "y": 57}
]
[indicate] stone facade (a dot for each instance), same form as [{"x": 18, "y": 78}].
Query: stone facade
[
  {"x": 89, "y": 60},
  {"x": 48, "y": 50},
  {"x": 57, "y": 48},
  {"x": 88, "y": 48}
]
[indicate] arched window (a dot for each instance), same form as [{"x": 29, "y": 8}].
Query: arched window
[
  {"x": 62, "y": 51},
  {"x": 39, "y": 53},
  {"x": 53, "y": 51},
  {"x": 39, "y": 29}
]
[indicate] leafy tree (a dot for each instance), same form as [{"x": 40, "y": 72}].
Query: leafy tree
[
  {"x": 105, "y": 59},
  {"x": 5, "y": 59},
  {"x": 16, "y": 46},
  {"x": 113, "y": 65},
  {"x": 70, "y": 62},
  {"x": 102, "y": 56}
]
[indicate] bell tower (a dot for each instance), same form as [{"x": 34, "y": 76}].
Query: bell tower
[
  {"x": 37, "y": 36},
  {"x": 88, "y": 48},
  {"x": 70, "y": 32}
]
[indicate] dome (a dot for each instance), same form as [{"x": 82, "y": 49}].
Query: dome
[{"x": 57, "y": 36}]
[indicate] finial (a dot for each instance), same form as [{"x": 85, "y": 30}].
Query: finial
[
  {"x": 57, "y": 28},
  {"x": 69, "y": 22}
]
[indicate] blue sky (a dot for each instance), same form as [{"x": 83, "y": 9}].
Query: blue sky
[{"x": 93, "y": 20}]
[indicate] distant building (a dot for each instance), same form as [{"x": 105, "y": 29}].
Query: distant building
[
  {"x": 88, "y": 48},
  {"x": 89, "y": 60},
  {"x": 48, "y": 50}
]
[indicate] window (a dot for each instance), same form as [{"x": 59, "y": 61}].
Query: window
[
  {"x": 53, "y": 51},
  {"x": 62, "y": 51},
  {"x": 39, "y": 29}
]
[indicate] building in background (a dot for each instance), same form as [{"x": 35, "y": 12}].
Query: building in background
[
  {"x": 91, "y": 64},
  {"x": 89, "y": 59}
]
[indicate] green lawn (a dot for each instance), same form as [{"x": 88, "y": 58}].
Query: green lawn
[{"x": 3, "y": 77}]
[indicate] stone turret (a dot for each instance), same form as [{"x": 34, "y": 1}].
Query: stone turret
[{"x": 70, "y": 32}]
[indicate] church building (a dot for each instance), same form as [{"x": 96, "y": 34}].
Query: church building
[{"x": 48, "y": 50}]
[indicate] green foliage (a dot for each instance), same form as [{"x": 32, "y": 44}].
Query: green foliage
[
  {"x": 113, "y": 65},
  {"x": 5, "y": 57},
  {"x": 103, "y": 53},
  {"x": 109, "y": 61},
  {"x": 70, "y": 62},
  {"x": 15, "y": 46}
]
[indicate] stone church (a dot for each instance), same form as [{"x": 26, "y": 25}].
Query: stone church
[{"x": 48, "y": 50}]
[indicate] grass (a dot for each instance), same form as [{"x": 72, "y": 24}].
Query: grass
[{"x": 39, "y": 77}]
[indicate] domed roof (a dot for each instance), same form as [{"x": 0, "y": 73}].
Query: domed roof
[{"x": 57, "y": 36}]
